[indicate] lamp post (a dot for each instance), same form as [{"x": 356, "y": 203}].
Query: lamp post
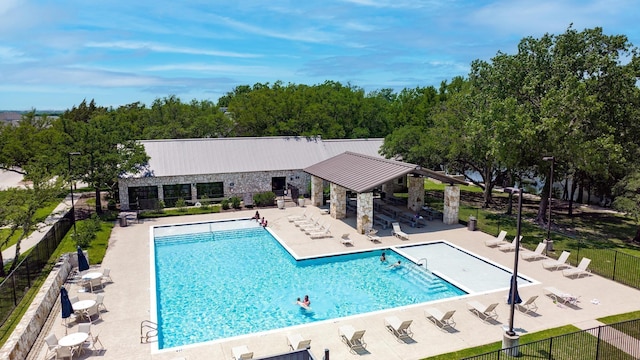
[
  {"x": 511, "y": 339},
  {"x": 549, "y": 242},
  {"x": 73, "y": 209}
]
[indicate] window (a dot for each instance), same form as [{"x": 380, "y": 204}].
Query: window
[
  {"x": 214, "y": 190},
  {"x": 143, "y": 197},
  {"x": 174, "y": 192}
]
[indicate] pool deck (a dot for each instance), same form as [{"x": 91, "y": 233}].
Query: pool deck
[{"x": 128, "y": 303}]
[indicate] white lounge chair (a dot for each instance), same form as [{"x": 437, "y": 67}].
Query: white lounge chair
[
  {"x": 297, "y": 342},
  {"x": 534, "y": 255},
  {"x": 509, "y": 246},
  {"x": 557, "y": 264},
  {"x": 400, "y": 329},
  {"x": 241, "y": 353},
  {"x": 397, "y": 232},
  {"x": 529, "y": 306},
  {"x": 306, "y": 222},
  {"x": 580, "y": 270},
  {"x": 321, "y": 234},
  {"x": 498, "y": 239},
  {"x": 441, "y": 320},
  {"x": 483, "y": 312},
  {"x": 371, "y": 234},
  {"x": 352, "y": 338},
  {"x": 344, "y": 239},
  {"x": 560, "y": 296},
  {"x": 298, "y": 217}
]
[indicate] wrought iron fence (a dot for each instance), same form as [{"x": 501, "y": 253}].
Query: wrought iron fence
[
  {"x": 17, "y": 283},
  {"x": 620, "y": 341}
]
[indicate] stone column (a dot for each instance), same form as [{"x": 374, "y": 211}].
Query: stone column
[
  {"x": 123, "y": 189},
  {"x": 194, "y": 193},
  {"x": 416, "y": 193},
  {"x": 364, "y": 212},
  {"x": 451, "y": 204},
  {"x": 338, "y": 204},
  {"x": 316, "y": 191},
  {"x": 160, "y": 193},
  {"x": 387, "y": 188}
]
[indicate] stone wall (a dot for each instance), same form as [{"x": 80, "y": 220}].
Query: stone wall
[
  {"x": 25, "y": 334},
  {"x": 234, "y": 184}
]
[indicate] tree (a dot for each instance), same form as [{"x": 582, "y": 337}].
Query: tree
[
  {"x": 627, "y": 199},
  {"x": 20, "y": 205},
  {"x": 106, "y": 149}
]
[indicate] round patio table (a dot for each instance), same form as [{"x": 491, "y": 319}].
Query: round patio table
[
  {"x": 73, "y": 340},
  {"x": 91, "y": 275}
]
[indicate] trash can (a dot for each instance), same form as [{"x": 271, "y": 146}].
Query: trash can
[
  {"x": 123, "y": 221},
  {"x": 471, "y": 225}
]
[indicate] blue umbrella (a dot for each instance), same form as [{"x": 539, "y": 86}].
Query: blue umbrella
[
  {"x": 83, "y": 264},
  {"x": 67, "y": 308},
  {"x": 517, "y": 296}
]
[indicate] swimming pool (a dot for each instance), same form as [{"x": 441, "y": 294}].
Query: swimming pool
[{"x": 230, "y": 278}]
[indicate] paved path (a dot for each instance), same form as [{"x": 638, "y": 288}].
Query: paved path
[{"x": 9, "y": 253}]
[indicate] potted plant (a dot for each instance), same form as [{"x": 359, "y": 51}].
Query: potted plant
[{"x": 301, "y": 200}]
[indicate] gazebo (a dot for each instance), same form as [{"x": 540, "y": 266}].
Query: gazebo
[{"x": 362, "y": 174}]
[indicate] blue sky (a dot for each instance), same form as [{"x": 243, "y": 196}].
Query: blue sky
[{"x": 54, "y": 54}]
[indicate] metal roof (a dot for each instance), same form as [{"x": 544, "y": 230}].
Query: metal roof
[
  {"x": 245, "y": 154},
  {"x": 362, "y": 173}
]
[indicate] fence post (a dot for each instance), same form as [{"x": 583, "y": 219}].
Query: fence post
[
  {"x": 550, "y": 348},
  {"x": 598, "y": 343},
  {"x": 26, "y": 265},
  {"x": 615, "y": 262},
  {"x": 13, "y": 287}
]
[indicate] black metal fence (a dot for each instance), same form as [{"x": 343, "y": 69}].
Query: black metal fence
[
  {"x": 17, "y": 283},
  {"x": 620, "y": 341}
]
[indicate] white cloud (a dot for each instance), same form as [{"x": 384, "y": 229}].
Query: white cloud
[{"x": 134, "y": 45}]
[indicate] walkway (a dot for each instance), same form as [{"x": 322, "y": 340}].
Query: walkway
[{"x": 9, "y": 253}]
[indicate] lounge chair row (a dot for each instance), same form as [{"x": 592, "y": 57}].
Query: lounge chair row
[
  {"x": 561, "y": 264},
  {"x": 311, "y": 226}
]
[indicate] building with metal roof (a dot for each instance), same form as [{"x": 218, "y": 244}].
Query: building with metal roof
[{"x": 216, "y": 168}]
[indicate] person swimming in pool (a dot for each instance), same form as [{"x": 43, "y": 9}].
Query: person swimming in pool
[
  {"x": 383, "y": 257},
  {"x": 395, "y": 265},
  {"x": 304, "y": 303}
]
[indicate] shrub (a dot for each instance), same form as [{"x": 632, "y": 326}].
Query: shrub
[
  {"x": 225, "y": 204},
  {"x": 181, "y": 205},
  {"x": 235, "y": 202},
  {"x": 159, "y": 207},
  {"x": 86, "y": 231},
  {"x": 264, "y": 199},
  {"x": 204, "y": 201}
]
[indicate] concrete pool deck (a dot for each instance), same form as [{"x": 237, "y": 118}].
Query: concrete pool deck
[{"x": 127, "y": 298}]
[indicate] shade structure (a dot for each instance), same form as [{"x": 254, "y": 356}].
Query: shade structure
[
  {"x": 83, "y": 264},
  {"x": 517, "y": 296},
  {"x": 67, "y": 308}
]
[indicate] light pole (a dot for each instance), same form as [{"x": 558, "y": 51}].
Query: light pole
[
  {"x": 73, "y": 209},
  {"x": 514, "y": 278},
  {"x": 549, "y": 242}
]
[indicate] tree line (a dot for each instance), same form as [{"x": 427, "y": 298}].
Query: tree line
[{"x": 573, "y": 96}]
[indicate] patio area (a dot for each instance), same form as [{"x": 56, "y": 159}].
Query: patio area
[{"x": 127, "y": 298}]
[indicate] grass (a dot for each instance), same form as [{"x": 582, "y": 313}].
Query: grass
[
  {"x": 98, "y": 247},
  {"x": 528, "y": 338},
  {"x": 181, "y": 211}
]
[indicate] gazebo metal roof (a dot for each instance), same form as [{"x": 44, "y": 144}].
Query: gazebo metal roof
[{"x": 362, "y": 173}]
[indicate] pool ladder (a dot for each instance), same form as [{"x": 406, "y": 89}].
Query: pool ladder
[
  {"x": 419, "y": 263},
  {"x": 151, "y": 331}
]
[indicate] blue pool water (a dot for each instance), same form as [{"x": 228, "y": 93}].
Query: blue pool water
[{"x": 214, "y": 285}]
